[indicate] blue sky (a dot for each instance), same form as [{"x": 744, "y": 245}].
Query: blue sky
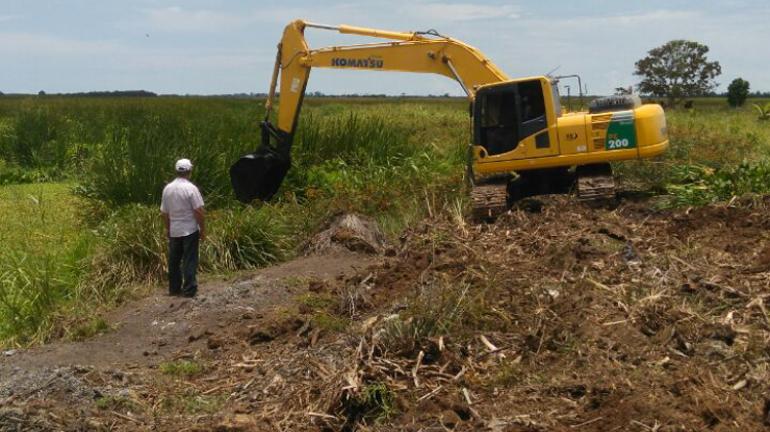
[{"x": 210, "y": 46}]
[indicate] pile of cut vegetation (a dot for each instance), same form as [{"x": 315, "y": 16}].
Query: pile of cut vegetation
[{"x": 567, "y": 318}]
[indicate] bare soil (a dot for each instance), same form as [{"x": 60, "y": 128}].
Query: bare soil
[{"x": 558, "y": 317}]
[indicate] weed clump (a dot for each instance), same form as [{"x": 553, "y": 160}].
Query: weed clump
[
  {"x": 438, "y": 309},
  {"x": 763, "y": 112},
  {"x": 118, "y": 403},
  {"x": 30, "y": 289},
  {"x": 182, "y": 368},
  {"x": 698, "y": 185},
  {"x": 375, "y": 403},
  {"x": 89, "y": 329}
]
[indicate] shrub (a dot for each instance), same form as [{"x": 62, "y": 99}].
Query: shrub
[
  {"x": 737, "y": 92},
  {"x": 763, "y": 111}
]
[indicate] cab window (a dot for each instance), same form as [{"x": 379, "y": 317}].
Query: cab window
[
  {"x": 506, "y": 114},
  {"x": 532, "y": 101}
]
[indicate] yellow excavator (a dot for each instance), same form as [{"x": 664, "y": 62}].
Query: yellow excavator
[{"x": 522, "y": 139}]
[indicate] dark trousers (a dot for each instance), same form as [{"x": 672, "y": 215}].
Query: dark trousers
[{"x": 183, "y": 263}]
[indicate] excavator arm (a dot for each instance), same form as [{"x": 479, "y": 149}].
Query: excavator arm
[{"x": 259, "y": 174}]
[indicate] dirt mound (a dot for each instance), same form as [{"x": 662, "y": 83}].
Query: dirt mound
[
  {"x": 562, "y": 318},
  {"x": 347, "y": 232}
]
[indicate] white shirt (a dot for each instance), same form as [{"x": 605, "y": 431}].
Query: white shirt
[{"x": 180, "y": 198}]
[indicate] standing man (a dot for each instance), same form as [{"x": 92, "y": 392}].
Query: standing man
[{"x": 182, "y": 209}]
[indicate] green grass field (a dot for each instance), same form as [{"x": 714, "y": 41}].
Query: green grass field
[
  {"x": 38, "y": 218},
  {"x": 80, "y": 181},
  {"x": 41, "y": 261}
]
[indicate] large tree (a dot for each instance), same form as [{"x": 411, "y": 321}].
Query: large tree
[
  {"x": 737, "y": 92},
  {"x": 677, "y": 70}
]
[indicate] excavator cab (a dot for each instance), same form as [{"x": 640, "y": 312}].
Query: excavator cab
[{"x": 508, "y": 113}]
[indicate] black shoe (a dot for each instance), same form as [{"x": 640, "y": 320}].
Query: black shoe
[{"x": 187, "y": 294}]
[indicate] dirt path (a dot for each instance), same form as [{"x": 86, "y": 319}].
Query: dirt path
[{"x": 151, "y": 330}]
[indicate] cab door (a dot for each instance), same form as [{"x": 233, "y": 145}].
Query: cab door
[{"x": 535, "y": 134}]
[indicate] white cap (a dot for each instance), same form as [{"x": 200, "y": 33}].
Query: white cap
[{"x": 183, "y": 165}]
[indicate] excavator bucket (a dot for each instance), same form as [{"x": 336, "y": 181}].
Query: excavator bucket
[{"x": 258, "y": 175}]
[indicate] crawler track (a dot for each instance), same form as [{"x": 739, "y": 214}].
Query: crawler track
[
  {"x": 489, "y": 200},
  {"x": 595, "y": 183}
]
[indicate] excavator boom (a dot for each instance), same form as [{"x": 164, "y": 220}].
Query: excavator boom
[{"x": 258, "y": 175}]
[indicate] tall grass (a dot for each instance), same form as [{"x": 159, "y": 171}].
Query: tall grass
[
  {"x": 122, "y": 150},
  {"x": 384, "y": 159},
  {"x": 31, "y": 289},
  {"x": 136, "y": 157},
  {"x": 132, "y": 246},
  {"x": 40, "y": 261},
  {"x": 246, "y": 237}
]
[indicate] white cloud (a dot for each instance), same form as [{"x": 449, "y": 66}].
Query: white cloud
[
  {"x": 178, "y": 19},
  {"x": 656, "y": 17},
  {"x": 37, "y": 44},
  {"x": 4, "y": 18},
  {"x": 106, "y": 53},
  {"x": 162, "y": 61},
  {"x": 460, "y": 11}
]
